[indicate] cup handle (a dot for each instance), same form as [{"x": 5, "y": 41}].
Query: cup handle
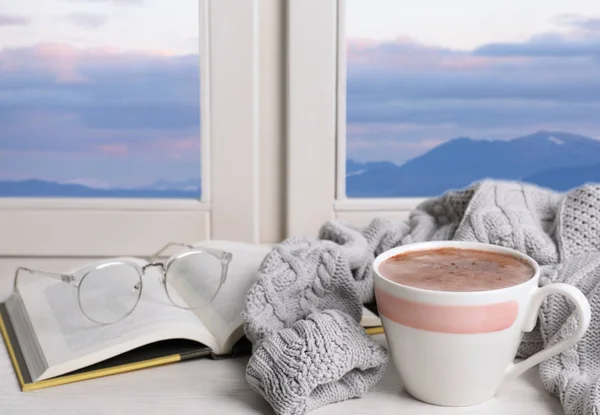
[{"x": 583, "y": 311}]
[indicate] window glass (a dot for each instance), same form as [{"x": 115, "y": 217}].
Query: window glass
[
  {"x": 444, "y": 93},
  {"x": 99, "y": 98}
]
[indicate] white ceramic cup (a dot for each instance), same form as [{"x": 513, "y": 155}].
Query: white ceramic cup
[{"x": 458, "y": 348}]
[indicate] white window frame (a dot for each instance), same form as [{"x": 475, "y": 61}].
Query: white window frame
[
  {"x": 229, "y": 208},
  {"x": 316, "y": 123}
]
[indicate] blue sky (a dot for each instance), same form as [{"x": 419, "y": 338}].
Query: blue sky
[
  {"x": 100, "y": 92},
  {"x": 423, "y": 73}
]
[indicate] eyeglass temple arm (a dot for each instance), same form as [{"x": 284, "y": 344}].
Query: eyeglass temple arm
[
  {"x": 55, "y": 276},
  {"x": 222, "y": 255},
  {"x": 157, "y": 254},
  {"x": 225, "y": 258}
]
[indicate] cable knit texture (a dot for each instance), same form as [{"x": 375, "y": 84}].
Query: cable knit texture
[{"x": 302, "y": 316}]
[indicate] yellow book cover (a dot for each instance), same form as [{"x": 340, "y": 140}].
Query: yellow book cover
[{"x": 151, "y": 355}]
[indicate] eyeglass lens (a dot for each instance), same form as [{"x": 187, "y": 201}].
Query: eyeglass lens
[
  {"x": 109, "y": 292},
  {"x": 194, "y": 279}
]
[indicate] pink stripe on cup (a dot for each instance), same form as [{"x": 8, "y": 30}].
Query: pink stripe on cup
[{"x": 455, "y": 319}]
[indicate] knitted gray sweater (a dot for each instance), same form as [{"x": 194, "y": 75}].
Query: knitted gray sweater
[{"x": 303, "y": 314}]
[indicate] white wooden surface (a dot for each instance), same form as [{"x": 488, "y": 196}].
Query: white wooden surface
[{"x": 208, "y": 387}]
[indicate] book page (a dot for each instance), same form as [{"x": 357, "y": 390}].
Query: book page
[
  {"x": 222, "y": 316},
  {"x": 70, "y": 340},
  {"x": 369, "y": 318}
]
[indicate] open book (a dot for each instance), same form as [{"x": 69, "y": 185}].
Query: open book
[{"x": 51, "y": 342}]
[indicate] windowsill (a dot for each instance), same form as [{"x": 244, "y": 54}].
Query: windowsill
[{"x": 376, "y": 204}]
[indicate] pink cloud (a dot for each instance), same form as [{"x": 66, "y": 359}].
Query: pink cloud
[
  {"x": 114, "y": 149},
  {"x": 66, "y": 62},
  {"x": 61, "y": 60},
  {"x": 179, "y": 144},
  {"x": 56, "y": 59},
  {"x": 71, "y": 136},
  {"x": 169, "y": 143},
  {"x": 175, "y": 147}
]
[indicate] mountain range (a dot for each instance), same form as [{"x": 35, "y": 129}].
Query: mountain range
[
  {"x": 557, "y": 160},
  {"x": 188, "y": 189}
]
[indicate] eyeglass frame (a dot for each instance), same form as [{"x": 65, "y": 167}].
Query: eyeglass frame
[{"x": 223, "y": 256}]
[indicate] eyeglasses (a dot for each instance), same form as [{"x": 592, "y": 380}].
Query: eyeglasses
[{"x": 108, "y": 292}]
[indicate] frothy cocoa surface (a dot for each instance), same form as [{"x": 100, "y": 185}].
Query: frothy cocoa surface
[{"x": 455, "y": 269}]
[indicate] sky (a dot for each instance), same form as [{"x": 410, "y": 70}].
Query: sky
[
  {"x": 421, "y": 73},
  {"x": 99, "y": 92},
  {"x": 106, "y": 92}
]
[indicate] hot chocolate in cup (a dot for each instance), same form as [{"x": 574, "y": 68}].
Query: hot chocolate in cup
[
  {"x": 454, "y": 314},
  {"x": 457, "y": 269}
]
